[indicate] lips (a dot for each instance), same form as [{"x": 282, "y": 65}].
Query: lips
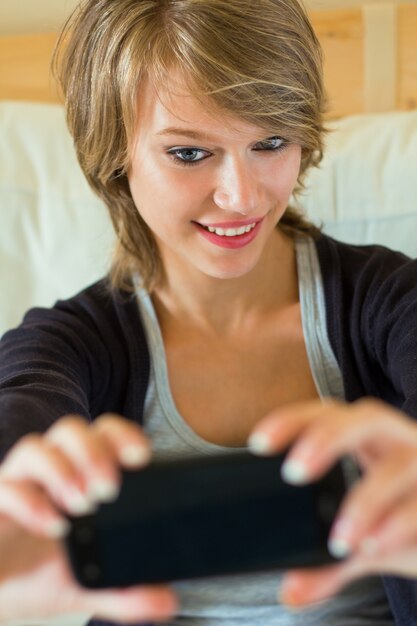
[{"x": 230, "y": 235}]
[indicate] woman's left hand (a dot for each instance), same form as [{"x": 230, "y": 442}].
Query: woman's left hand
[{"x": 377, "y": 524}]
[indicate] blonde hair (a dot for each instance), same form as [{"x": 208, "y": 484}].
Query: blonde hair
[{"x": 258, "y": 60}]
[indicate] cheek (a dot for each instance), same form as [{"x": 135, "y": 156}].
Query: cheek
[
  {"x": 285, "y": 174},
  {"x": 164, "y": 195},
  {"x": 149, "y": 189}
]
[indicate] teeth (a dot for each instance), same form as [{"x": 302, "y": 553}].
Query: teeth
[{"x": 231, "y": 232}]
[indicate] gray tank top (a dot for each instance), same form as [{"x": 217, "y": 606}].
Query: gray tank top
[{"x": 241, "y": 600}]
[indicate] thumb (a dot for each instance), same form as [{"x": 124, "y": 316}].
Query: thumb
[{"x": 308, "y": 586}]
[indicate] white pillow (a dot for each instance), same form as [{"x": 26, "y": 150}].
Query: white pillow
[
  {"x": 55, "y": 235},
  {"x": 366, "y": 188}
]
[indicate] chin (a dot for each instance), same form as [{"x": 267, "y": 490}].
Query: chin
[{"x": 232, "y": 272}]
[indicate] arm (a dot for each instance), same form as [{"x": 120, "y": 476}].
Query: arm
[
  {"x": 68, "y": 359},
  {"x": 370, "y": 296}
]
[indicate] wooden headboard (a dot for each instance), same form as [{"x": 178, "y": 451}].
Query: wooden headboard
[{"x": 370, "y": 60}]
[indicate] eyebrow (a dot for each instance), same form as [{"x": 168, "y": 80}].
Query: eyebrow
[{"x": 185, "y": 132}]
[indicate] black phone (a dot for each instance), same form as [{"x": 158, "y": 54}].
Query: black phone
[{"x": 205, "y": 516}]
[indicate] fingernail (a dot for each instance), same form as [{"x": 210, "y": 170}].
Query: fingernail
[
  {"x": 135, "y": 456},
  {"x": 259, "y": 443},
  {"x": 341, "y": 536},
  {"x": 56, "y": 529},
  {"x": 339, "y": 548},
  {"x": 294, "y": 472},
  {"x": 79, "y": 504},
  {"x": 103, "y": 490}
]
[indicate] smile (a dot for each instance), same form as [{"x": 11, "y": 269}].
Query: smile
[
  {"x": 231, "y": 236},
  {"x": 230, "y": 232}
]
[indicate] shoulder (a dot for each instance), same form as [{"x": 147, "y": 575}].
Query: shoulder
[
  {"x": 98, "y": 298},
  {"x": 97, "y": 320},
  {"x": 366, "y": 286},
  {"x": 363, "y": 267},
  {"x": 358, "y": 256},
  {"x": 96, "y": 306},
  {"x": 370, "y": 294}
]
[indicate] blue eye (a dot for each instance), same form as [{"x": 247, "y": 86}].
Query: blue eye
[
  {"x": 272, "y": 144},
  {"x": 188, "y": 156}
]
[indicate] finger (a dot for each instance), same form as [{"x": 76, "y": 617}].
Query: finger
[
  {"x": 396, "y": 534},
  {"x": 34, "y": 460},
  {"x": 91, "y": 454},
  {"x": 31, "y": 509},
  {"x": 308, "y": 586},
  {"x": 398, "y": 476},
  {"x": 305, "y": 425},
  {"x": 356, "y": 428},
  {"x": 129, "y": 444},
  {"x": 324, "y": 435},
  {"x": 391, "y": 551},
  {"x": 278, "y": 429},
  {"x": 133, "y": 604}
]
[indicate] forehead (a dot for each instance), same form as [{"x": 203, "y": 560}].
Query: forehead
[{"x": 173, "y": 106}]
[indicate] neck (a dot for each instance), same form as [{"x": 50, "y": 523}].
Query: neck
[{"x": 223, "y": 306}]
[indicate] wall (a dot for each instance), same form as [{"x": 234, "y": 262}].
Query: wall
[{"x": 24, "y": 16}]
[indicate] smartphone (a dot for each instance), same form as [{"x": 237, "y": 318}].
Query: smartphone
[{"x": 205, "y": 516}]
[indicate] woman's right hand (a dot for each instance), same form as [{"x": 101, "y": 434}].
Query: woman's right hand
[{"x": 72, "y": 467}]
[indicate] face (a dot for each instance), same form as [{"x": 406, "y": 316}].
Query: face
[{"x": 210, "y": 188}]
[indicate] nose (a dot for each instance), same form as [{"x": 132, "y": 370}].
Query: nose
[{"x": 238, "y": 189}]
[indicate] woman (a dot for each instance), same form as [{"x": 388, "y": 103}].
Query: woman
[{"x": 228, "y": 317}]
